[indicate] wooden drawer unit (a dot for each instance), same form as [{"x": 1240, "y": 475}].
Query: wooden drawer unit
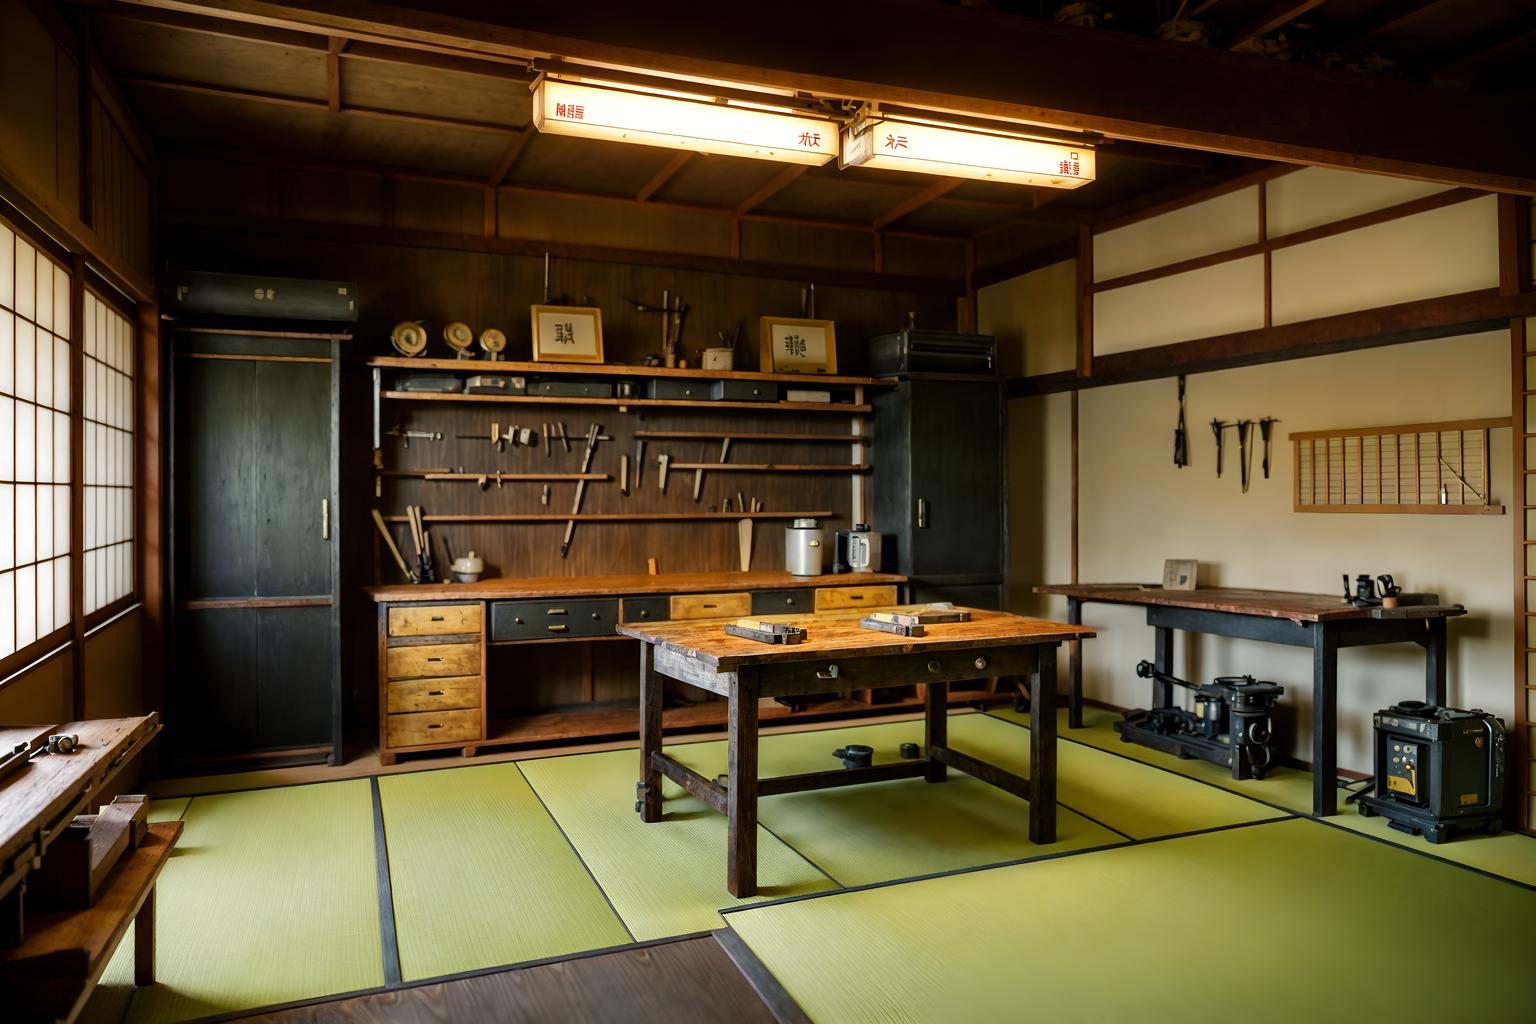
[
  {"x": 645, "y": 609},
  {"x": 832, "y": 598},
  {"x": 435, "y": 619},
  {"x": 421, "y": 728},
  {"x": 710, "y": 606},
  {"x": 557, "y": 618},
  {"x": 428, "y": 660},
  {"x": 783, "y": 602},
  {"x": 433, "y": 694}
]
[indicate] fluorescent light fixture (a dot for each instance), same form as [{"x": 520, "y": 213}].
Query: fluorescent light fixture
[
  {"x": 910, "y": 145},
  {"x": 681, "y": 119}
]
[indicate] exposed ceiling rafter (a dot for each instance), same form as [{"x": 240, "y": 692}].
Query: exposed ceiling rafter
[{"x": 1273, "y": 16}]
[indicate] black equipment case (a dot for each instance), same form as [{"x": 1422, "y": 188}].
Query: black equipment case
[
  {"x": 197, "y": 294},
  {"x": 913, "y": 351},
  {"x": 1439, "y": 771}
]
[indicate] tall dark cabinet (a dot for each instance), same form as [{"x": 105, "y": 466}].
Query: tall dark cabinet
[
  {"x": 940, "y": 483},
  {"x": 255, "y": 676}
]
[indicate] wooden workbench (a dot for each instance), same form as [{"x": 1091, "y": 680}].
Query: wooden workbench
[
  {"x": 838, "y": 653},
  {"x": 53, "y": 958},
  {"x": 1323, "y": 622}
]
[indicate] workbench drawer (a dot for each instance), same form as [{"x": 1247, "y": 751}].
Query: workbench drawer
[
  {"x": 661, "y": 387},
  {"x": 553, "y": 619},
  {"x": 783, "y": 602},
  {"x": 422, "y": 727},
  {"x": 832, "y": 598},
  {"x": 428, "y": 660},
  {"x": 645, "y": 609},
  {"x": 743, "y": 391},
  {"x": 710, "y": 606},
  {"x": 435, "y": 619},
  {"x": 434, "y": 694}
]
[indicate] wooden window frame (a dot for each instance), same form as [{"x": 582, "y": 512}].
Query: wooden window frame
[{"x": 108, "y": 296}]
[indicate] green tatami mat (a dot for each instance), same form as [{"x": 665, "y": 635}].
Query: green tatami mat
[
  {"x": 665, "y": 877},
  {"x": 1510, "y": 855},
  {"x": 886, "y": 830},
  {"x": 1283, "y": 787},
  {"x": 1286, "y": 921},
  {"x": 270, "y": 896},
  {"x": 482, "y": 876}
]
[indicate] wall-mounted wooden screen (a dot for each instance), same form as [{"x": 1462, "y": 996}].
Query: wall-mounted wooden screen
[{"x": 1436, "y": 468}]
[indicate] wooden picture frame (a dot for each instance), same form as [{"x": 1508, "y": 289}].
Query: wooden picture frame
[
  {"x": 567, "y": 334},
  {"x": 816, "y": 352},
  {"x": 1180, "y": 573}
]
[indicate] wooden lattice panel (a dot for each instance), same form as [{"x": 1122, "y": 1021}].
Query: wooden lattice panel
[{"x": 1436, "y": 468}]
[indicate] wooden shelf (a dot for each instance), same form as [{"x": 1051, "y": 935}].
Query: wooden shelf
[
  {"x": 554, "y": 726},
  {"x": 750, "y": 467},
  {"x": 843, "y": 408},
  {"x": 609, "y": 517},
  {"x": 66, "y": 951},
  {"x": 616, "y": 370},
  {"x": 720, "y": 435}
]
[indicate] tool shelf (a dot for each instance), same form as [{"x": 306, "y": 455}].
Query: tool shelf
[
  {"x": 478, "y": 366},
  {"x": 608, "y": 517},
  {"x": 842, "y": 408}
]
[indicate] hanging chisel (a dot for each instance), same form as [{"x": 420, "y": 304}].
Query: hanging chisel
[
  {"x": 624, "y": 474},
  {"x": 1244, "y": 461},
  {"x": 581, "y": 488},
  {"x": 1266, "y": 429},
  {"x": 1180, "y": 435},
  {"x": 1218, "y": 427},
  {"x": 544, "y": 498},
  {"x": 639, "y": 459},
  {"x": 663, "y": 462},
  {"x": 565, "y": 439},
  {"x": 546, "y": 441}
]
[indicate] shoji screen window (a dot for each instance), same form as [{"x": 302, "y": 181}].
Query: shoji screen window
[
  {"x": 107, "y": 371},
  {"x": 34, "y": 447}
]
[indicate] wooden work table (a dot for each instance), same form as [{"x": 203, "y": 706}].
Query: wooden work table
[
  {"x": 53, "y": 958},
  {"x": 1323, "y": 622},
  {"x": 839, "y": 653},
  {"x": 629, "y": 583}
]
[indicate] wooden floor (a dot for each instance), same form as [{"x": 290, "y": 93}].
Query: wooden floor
[{"x": 684, "y": 980}]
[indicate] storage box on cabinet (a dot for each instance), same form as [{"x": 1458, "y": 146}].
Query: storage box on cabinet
[
  {"x": 782, "y": 602},
  {"x": 645, "y": 609},
  {"x": 435, "y": 619},
  {"x": 543, "y": 620}
]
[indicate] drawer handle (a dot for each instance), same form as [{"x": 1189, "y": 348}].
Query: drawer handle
[
  {"x": 518, "y": 621},
  {"x": 437, "y": 618},
  {"x": 644, "y": 614},
  {"x": 434, "y": 725},
  {"x": 557, "y": 629},
  {"x": 789, "y": 600},
  {"x": 434, "y": 659},
  {"x": 855, "y": 597},
  {"x": 434, "y": 693},
  {"x": 711, "y": 606},
  {"x": 556, "y": 611}
]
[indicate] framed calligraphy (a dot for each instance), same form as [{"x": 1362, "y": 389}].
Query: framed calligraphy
[
  {"x": 567, "y": 334},
  {"x": 792, "y": 345}
]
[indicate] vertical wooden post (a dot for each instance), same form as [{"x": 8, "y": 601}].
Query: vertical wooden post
[
  {"x": 1042, "y": 749},
  {"x": 1325, "y": 675},
  {"x": 741, "y": 800},
  {"x": 1085, "y": 300},
  {"x": 935, "y": 727},
  {"x": 144, "y": 942},
  {"x": 649, "y": 796},
  {"x": 153, "y": 406},
  {"x": 76, "y": 481}
]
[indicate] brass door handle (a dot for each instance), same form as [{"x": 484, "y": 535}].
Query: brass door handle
[
  {"x": 325, "y": 518},
  {"x": 922, "y": 513},
  {"x": 557, "y": 629},
  {"x": 556, "y": 611}
]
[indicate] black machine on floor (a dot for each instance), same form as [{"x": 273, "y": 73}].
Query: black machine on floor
[
  {"x": 1230, "y": 726},
  {"x": 1439, "y": 771}
]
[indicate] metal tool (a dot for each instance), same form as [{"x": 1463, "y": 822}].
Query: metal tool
[
  {"x": 565, "y": 440},
  {"x": 890, "y": 622},
  {"x": 1389, "y": 587},
  {"x": 547, "y": 452},
  {"x": 1181, "y": 436},
  {"x": 1244, "y": 450},
  {"x": 389, "y": 542},
  {"x": 425, "y": 573},
  {"x": 1266, "y": 430},
  {"x": 398, "y": 430},
  {"x": 639, "y": 459},
  {"x": 1231, "y": 725},
  {"x": 581, "y": 487},
  {"x": 624, "y": 474},
  {"x": 1219, "y": 427},
  {"x": 766, "y": 632},
  {"x": 1445, "y": 497},
  {"x": 663, "y": 461}
]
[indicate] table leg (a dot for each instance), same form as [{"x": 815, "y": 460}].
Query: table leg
[
  {"x": 741, "y": 807},
  {"x": 1074, "y": 668},
  {"x": 1162, "y": 657},
  {"x": 1042, "y": 750},
  {"x": 144, "y": 942},
  {"x": 1325, "y": 677},
  {"x": 648, "y": 801},
  {"x": 935, "y": 726},
  {"x": 1434, "y": 659}
]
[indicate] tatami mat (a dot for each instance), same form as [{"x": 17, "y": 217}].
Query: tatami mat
[
  {"x": 482, "y": 876},
  {"x": 1285, "y": 921},
  {"x": 1510, "y": 855},
  {"x": 667, "y": 877},
  {"x": 270, "y": 896}
]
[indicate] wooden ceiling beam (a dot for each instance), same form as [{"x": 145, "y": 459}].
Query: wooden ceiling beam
[
  {"x": 509, "y": 158},
  {"x": 778, "y": 183},
  {"x": 1270, "y": 110},
  {"x": 1275, "y": 15},
  {"x": 916, "y": 201},
  {"x": 1489, "y": 51},
  {"x": 334, "y": 46},
  {"x": 306, "y": 103},
  {"x": 1394, "y": 18},
  {"x": 668, "y": 171}
]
